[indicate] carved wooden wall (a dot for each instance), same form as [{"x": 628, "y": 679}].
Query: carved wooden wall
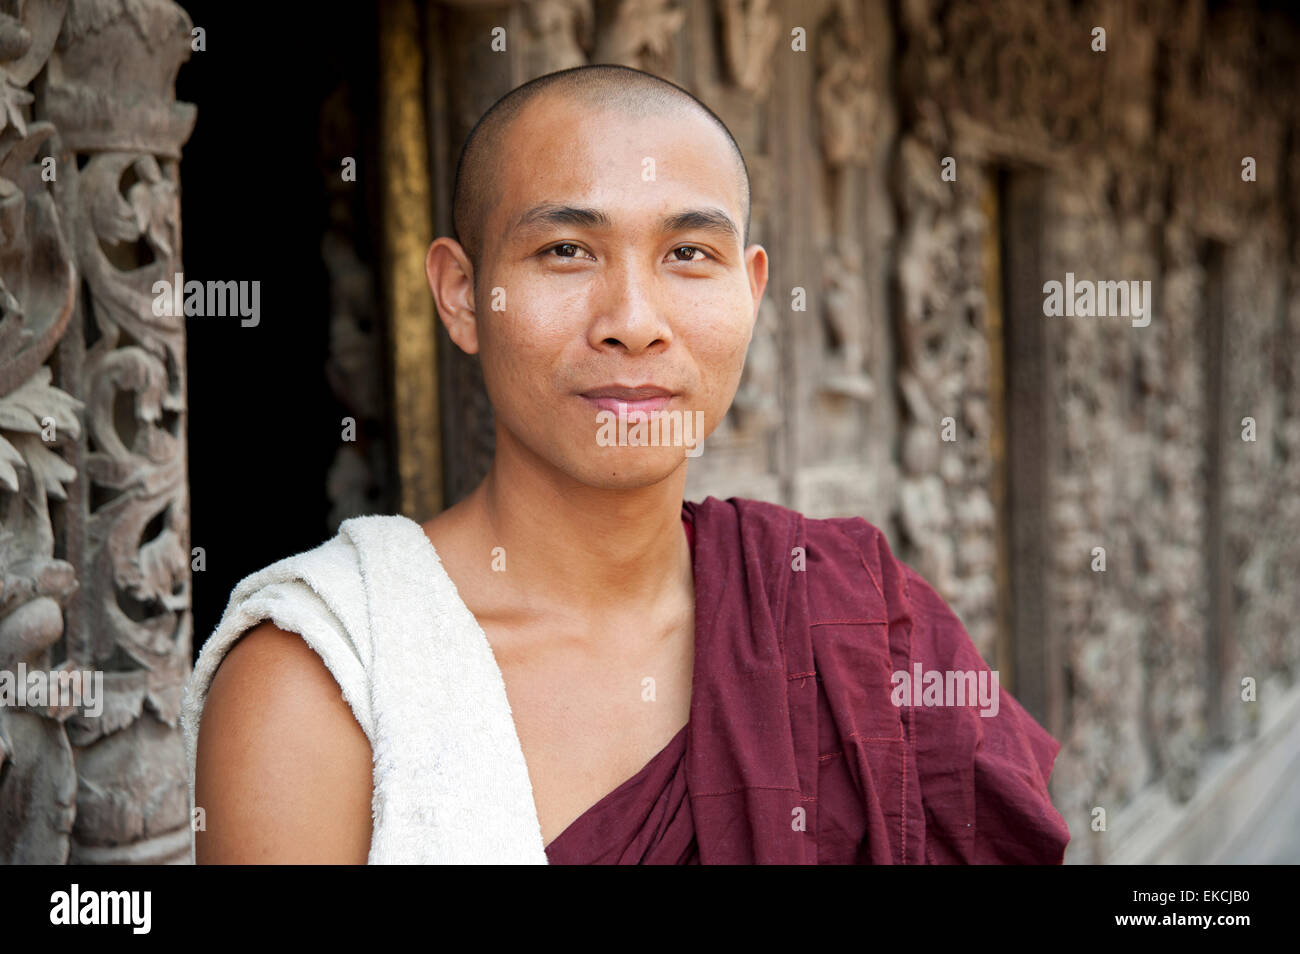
[
  {"x": 1136, "y": 669},
  {"x": 94, "y": 508},
  {"x": 925, "y": 302}
]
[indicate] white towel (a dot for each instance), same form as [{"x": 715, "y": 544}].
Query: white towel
[{"x": 450, "y": 782}]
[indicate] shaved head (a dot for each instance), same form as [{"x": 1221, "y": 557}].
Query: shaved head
[
  {"x": 618, "y": 89},
  {"x": 607, "y": 213}
]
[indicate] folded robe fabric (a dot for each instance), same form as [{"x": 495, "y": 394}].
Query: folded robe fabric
[
  {"x": 812, "y": 662},
  {"x": 795, "y": 751}
]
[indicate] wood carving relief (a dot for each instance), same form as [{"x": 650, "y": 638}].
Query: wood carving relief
[{"x": 82, "y": 251}]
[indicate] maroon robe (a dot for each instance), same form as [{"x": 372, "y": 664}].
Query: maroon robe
[{"x": 791, "y": 709}]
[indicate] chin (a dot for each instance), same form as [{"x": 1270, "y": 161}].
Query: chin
[{"x": 629, "y": 468}]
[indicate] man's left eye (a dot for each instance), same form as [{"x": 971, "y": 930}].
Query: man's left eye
[{"x": 692, "y": 248}]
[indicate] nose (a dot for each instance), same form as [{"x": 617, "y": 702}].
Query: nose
[{"x": 629, "y": 313}]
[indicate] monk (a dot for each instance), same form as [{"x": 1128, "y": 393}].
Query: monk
[{"x": 725, "y": 682}]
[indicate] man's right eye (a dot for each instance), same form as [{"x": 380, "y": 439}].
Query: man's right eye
[{"x": 565, "y": 250}]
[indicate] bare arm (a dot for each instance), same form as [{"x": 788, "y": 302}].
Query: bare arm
[{"x": 283, "y": 770}]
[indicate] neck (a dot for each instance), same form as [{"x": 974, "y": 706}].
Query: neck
[{"x": 585, "y": 548}]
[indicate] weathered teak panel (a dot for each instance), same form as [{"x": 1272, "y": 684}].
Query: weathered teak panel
[
  {"x": 1113, "y": 428},
  {"x": 1077, "y": 488},
  {"x": 94, "y": 544}
]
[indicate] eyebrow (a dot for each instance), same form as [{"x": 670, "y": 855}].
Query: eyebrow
[{"x": 549, "y": 214}]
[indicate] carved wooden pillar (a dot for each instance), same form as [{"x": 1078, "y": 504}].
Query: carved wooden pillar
[
  {"x": 38, "y": 783},
  {"x": 94, "y": 577}
]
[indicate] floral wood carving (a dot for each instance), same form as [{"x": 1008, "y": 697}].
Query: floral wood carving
[{"x": 94, "y": 577}]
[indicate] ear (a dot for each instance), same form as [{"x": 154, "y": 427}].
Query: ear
[
  {"x": 451, "y": 279},
  {"x": 756, "y": 268}
]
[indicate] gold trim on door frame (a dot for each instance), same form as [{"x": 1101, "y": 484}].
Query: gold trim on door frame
[{"x": 407, "y": 215}]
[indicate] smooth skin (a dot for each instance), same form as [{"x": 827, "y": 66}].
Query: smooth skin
[
  {"x": 283, "y": 770},
  {"x": 597, "y": 595}
]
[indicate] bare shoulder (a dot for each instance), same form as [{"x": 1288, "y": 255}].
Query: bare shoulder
[{"x": 283, "y": 771}]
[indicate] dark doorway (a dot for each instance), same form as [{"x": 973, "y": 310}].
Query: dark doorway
[{"x": 263, "y": 422}]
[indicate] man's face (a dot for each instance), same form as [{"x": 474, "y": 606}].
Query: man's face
[{"x": 650, "y": 289}]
